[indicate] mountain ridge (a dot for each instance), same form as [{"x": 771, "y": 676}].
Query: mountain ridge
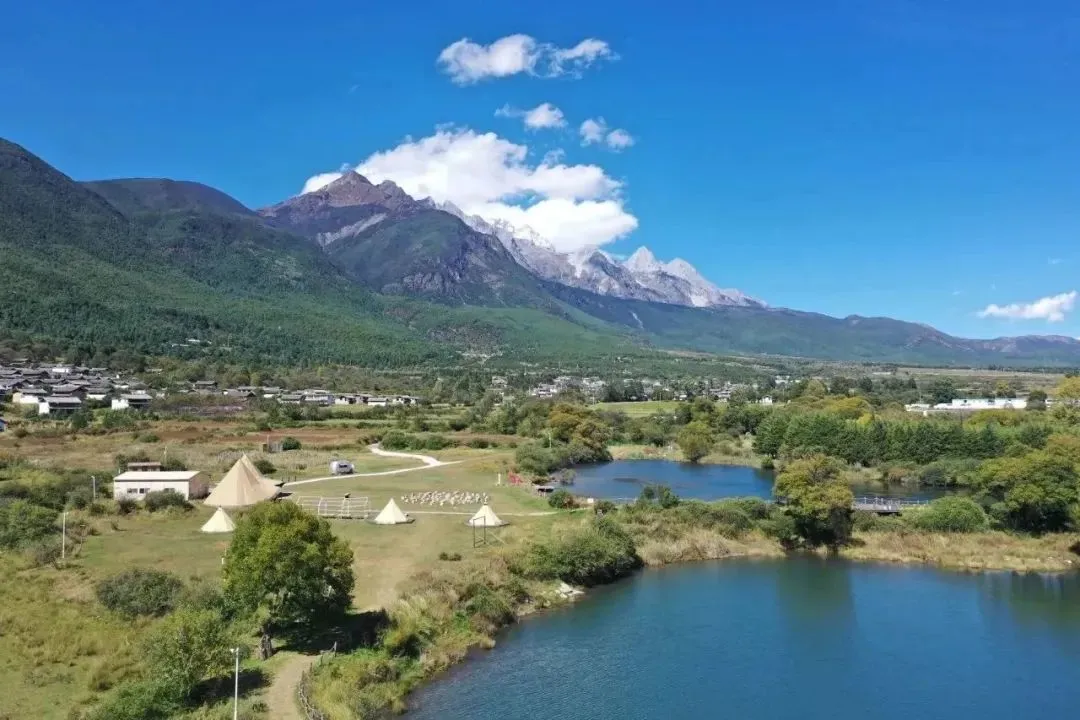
[{"x": 143, "y": 279}]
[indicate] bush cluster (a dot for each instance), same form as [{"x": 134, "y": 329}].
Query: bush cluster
[
  {"x": 165, "y": 499},
  {"x": 140, "y": 592}
]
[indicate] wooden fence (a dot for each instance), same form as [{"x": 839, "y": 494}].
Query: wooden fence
[{"x": 303, "y": 691}]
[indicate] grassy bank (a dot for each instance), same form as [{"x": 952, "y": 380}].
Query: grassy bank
[
  {"x": 446, "y": 611},
  {"x": 726, "y": 452}
]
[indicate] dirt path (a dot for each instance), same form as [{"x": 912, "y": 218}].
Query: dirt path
[
  {"x": 429, "y": 462},
  {"x": 281, "y": 696}
]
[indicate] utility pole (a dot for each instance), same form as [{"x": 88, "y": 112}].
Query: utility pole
[
  {"x": 93, "y": 479},
  {"x": 63, "y": 535},
  {"x": 236, "y": 686}
]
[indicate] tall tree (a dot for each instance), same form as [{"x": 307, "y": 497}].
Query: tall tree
[
  {"x": 818, "y": 500},
  {"x": 287, "y": 562}
]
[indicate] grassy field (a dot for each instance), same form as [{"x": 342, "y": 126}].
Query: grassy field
[
  {"x": 61, "y": 649},
  {"x": 640, "y": 409},
  {"x": 209, "y": 446}
]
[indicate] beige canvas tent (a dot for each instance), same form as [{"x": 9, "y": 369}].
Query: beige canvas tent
[
  {"x": 219, "y": 523},
  {"x": 242, "y": 486},
  {"x": 485, "y": 517},
  {"x": 392, "y": 515}
]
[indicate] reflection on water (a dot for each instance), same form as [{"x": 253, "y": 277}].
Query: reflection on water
[
  {"x": 624, "y": 479},
  {"x": 801, "y": 638}
]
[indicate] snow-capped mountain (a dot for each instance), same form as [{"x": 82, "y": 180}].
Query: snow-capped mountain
[{"x": 639, "y": 277}]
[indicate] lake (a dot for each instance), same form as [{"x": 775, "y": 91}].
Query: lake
[
  {"x": 801, "y": 638},
  {"x": 625, "y": 478}
]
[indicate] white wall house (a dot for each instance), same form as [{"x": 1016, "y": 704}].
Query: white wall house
[
  {"x": 133, "y": 401},
  {"x": 137, "y": 483},
  {"x": 970, "y": 405},
  {"x": 59, "y": 406}
]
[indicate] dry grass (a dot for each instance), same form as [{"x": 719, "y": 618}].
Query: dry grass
[
  {"x": 208, "y": 446},
  {"x": 976, "y": 551},
  {"x": 705, "y": 544}
]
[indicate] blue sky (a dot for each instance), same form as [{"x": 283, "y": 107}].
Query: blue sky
[{"x": 909, "y": 158}]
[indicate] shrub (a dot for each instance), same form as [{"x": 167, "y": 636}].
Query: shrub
[
  {"x": 80, "y": 498},
  {"x": 265, "y": 466},
  {"x": 597, "y": 553},
  {"x": 143, "y": 700},
  {"x": 603, "y": 507},
  {"x": 23, "y": 523},
  {"x": 754, "y": 507},
  {"x": 163, "y": 499},
  {"x": 561, "y": 499},
  {"x": 479, "y": 443},
  {"x": 139, "y": 592},
  {"x": 290, "y": 443},
  {"x": 436, "y": 442},
  {"x": 126, "y": 505},
  {"x": 450, "y": 557},
  {"x": 148, "y": 438},
  {"x": 396, "y": 440},
  {"x": 950, "y": 514}
]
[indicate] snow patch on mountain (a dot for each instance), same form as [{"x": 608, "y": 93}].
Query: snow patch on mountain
[{"x": 640, "y": 277}]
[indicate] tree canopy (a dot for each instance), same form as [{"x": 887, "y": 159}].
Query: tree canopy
[{"x": 288, "y": 563}]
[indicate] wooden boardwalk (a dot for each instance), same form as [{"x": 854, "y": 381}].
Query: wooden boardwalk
[{"x": 886, "y": 505}]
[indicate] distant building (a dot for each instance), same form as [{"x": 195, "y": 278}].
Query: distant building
[
  {"x": 137, "y": 483},
  {"x": 3, "y": 424},
  {"x": 969, "y": 405},
  {"x": 131, "y": 401},
  {"x": 56, "y": 406}
]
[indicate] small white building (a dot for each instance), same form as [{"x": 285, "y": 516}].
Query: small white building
[
  {"x": 137, "y": 483},
  {"x": 132, "y": 401},
  {"x": 57, "y": 406}
]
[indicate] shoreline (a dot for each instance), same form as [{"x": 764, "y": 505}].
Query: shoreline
[
  {"x": 975, "y": 553},
  {"x": 631, "y": 452}
]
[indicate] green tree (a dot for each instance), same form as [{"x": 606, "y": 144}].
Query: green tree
[
  {"x": 287, "y": 562},
  {"x": 188, "y": 647},
  {"x": 695, "y": 441},
  {"x": 1036, "y": 400},
  {"x": 818, "y": 500},
  {"x": 941, "y": 390},
  {"x": 1035, "y": 493}
]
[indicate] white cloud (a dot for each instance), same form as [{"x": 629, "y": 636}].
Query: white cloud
[
  {"x": 595, "y": 130},
  {"x": 1054, "y": 261},
  {"x": 468, "y": 62},
  {"x": 619, "y": 139},
  {"x": 542, "y": 116},
  {"x": 592, "y": 131},
  {"x": 320, "y": 181},
  {"x": 572, "y": 206},
  {"x": 1051, "y": 309}
]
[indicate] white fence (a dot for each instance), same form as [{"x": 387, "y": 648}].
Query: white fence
[{"x": 335, "y": 507}]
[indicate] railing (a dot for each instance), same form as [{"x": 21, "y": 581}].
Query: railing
[
  {"x": 334, "y": 507},
  {"x": 888, "y": 505}
]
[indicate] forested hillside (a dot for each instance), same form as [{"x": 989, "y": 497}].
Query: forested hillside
[{"x": 143, "y": 265}]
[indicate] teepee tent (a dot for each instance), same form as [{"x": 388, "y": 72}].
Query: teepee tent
[
  {"x": 391, "y": 515},
  {"x": 242, "y": 486},
  {"x": 219, "y": 523},
  {"x": 485, "y": 517}
]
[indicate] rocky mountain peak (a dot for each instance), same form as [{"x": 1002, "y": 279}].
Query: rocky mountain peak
[{"x": 643, "y": 261}]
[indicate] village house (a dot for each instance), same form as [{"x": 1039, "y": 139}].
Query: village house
[
  {"x": 59, "y": 406},
  {"x": 131, "y": 401},
  {"x": 137, "y": 483}
]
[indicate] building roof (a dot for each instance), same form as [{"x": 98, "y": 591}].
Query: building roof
[
  {"x": 156, "y": 475},
  {"x": 58, "y": 400}
]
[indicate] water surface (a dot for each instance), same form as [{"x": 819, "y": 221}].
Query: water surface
[
  {"x": 624, "y": 479},
  {"x": 797, "y": 638}
]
